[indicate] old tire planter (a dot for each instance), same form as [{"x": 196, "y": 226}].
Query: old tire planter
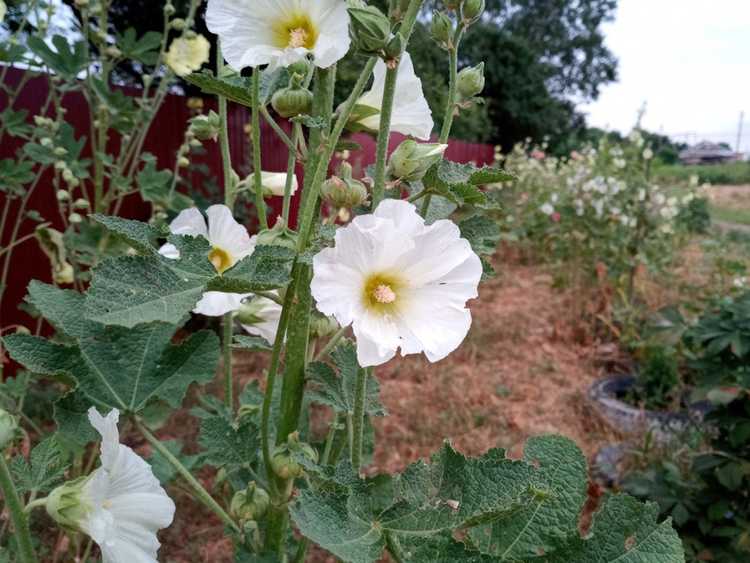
[{"x": 605, "y": 393}]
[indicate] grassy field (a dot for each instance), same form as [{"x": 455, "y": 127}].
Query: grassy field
[
  {"x": 731, "y": 204},
  {"x": 734, "y": 173}
]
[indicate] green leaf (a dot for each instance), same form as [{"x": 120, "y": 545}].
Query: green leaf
[
  {"x": 121, "y": 368},
  {"x": 145, "y": 49},
  {"x": 164, "y": 471},
  {"x": 71, "y": 417},
  {"x": 466, "y": 194},
  {"x": 14, "y": 123},
  {"x": 15, "y": 174},
  {"x": 61, "y": 307},
  {"x": 140, "y": 236},
  {"x": 560, "y": 487},
  {"x": 252, "y": 343},
  {"x": 235, "y": 88},
  {"x": 482, "y": 233},
  {"x": 130, "y": 290},
  {"x": 64, "y": 61},
  {"x": 335, "y": 388},
  {"x": 227, "y": 444},
  {"x": 490, "y": 175},
  {"x": 156, "y": 186},
  {"x": 44, "y": 470},
  {"x": 624, "y": 530}
]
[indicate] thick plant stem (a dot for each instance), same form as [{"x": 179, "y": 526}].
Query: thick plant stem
[
  {"x": 358, "y": 418},
  {"x": 384, "y": 135},
  {"x": 260, "y": 203},
  {"x": 293, "y": 386},
  {"x": 291, "y": 164},
  {"x": 200, "y": 492},
  {"x": 226, "y": 348},
  {"x": 226, "y": 157},
  {"x": 394, "y": 548},
  {"x": 18, "y": 517},
  {"x": 310, "y": 198}
]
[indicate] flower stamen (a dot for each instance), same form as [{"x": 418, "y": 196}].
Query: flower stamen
[
  {"x": 220, "y": 259},
  {"x": 298, "y": 37},
  {"x": 384, "y": 294}
]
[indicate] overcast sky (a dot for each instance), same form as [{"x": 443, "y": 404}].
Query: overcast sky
[{"x": 689, "y": 60}]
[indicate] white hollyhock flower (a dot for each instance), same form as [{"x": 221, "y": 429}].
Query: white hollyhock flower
[
  {"x": 121, "y": 505},
  {"x": 547, "y": 209},
  {"x": 230, "y": 243},
  {"x": 411, "y": 114},
  {"x": 260, "y": 317},
  {"x": 399, "y": 282},
  {"x": 188, "y": 55},
  {"x": 274, "y": 183},
  {"x": 280, "y": 32}
]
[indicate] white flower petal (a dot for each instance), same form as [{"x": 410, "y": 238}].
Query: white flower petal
[
  {"x": 189, "y": 222},
  {"x": 275, "y": 182},
  {"x": 246, "y": 30},
  {"x": 270, "y": 312},
  {"x": 218, "y": 303},
  {"x": 227, "y": 234},
  {"x": 107, "y": 428},
  {"x": 434, "y": 272},
  {"x": 411, "y": 113},
  {"x": 170, "y": 251}
]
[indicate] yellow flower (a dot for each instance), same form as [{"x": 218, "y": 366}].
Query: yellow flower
[{"x": 188, "y": 55}]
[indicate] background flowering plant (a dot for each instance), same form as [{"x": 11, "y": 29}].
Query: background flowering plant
[{"x": 399, "y": 273}]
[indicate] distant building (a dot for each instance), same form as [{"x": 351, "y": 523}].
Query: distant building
[{"x": 707, "y": 153}]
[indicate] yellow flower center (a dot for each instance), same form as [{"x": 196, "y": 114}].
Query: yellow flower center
[
  {"x": 294, "y": 31},
  {"x": 220, "y": 259},
  {"x": 381, "y": 292}
]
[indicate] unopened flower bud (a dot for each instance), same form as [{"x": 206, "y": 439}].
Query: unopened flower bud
[
  {"x": 395, "y": 47},
  {"x": 46, "y": 142},
  {"x": 370, "y": 28},
  {"x": 183, "y": 162},
  {"x": 75, "y": 218},
  {"x": 169, "y": 9},
  {"x": 322, "y": 326},
  {"x": 343, "y": 191},
  {"x": 279, "y": 235},
  {"x": 441, "y": 29},
  {"x": 63, "y": 195},
  {"x": 60, "y": 151},
  {"x": 411, "y": 160},
  {"x": 292, "y": 101},
  {"x": 284, "y": 461},
  {"x": 300, "y": 67},
  {"x": 113, "y": 52},
  {"x": 8, "y": 425},
  {"x": 472, "y": 10},
  {"x": 206, "y": 127},
  {"x": 471, "y": 81},
  {"x": 250, "y": 504},
  {"x": 178, "y": 24}
]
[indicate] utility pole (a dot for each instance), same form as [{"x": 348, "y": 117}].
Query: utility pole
[{"x": 739, "y": 134}]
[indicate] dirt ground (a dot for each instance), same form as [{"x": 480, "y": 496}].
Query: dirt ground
[{"x": 730, "y": 196}]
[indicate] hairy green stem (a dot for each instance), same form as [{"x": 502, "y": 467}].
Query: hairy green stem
[
  {"x": 358, "y": 418},
  {"x": 200, "y": 492},
  {"x": 291, "y": 164},
  {"x": 226, "y": 157},
  {"x": 394, "y": 547},
  {"x": 277, "y": 129},
  {"x": 331, "y": 344},
  {"x": 17, "y": 516},
  {"x": 321, "y": 168},
  {"x": 384, "y": 135},
  {"x": 226, "y": 349},
  {"x": 260, "y": 203}
]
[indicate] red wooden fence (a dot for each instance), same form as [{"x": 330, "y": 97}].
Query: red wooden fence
[{"x": 163, "y": 140}]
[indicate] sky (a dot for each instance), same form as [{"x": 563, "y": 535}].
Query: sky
[{"x": 688, "y": 60}]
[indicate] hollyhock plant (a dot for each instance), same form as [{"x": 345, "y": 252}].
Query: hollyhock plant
[
  {"x": 230, "y": 243},
  {"x": 260, "y": 316},
  {"x": 280, "y": 32},
  {"x": 399, "y": 282},
  {"x": 411, "y": 114},
  {"x": 188, "y": 54},
  {"x": 121, "y": 505}
]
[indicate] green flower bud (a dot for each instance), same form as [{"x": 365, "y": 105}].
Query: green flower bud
[
  {"x": 442, "y": 29},
  {"x": 395, "y": 47},
  {"x": 343, "y": 191},
  {"x": 292, "y": 100},
  {"x": 250, "y": 504},
  {"x": 370, "y": 29},
  {"x": 68, "y": 505},
  {"x": 471, "y": 81},
  {"x": 8, "y": 425},
  {"x": 301, "y": 67},
  {"x": 279, "y": 235},
  {"x": 322, "y": 326},
  {"x": 411, "y": 160},
  {"x": 206, "y": 127},
  {"x": 284, "y": 460},
  {"x": 178, "y": 24},
  {"x": 472, "y": 10}
]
